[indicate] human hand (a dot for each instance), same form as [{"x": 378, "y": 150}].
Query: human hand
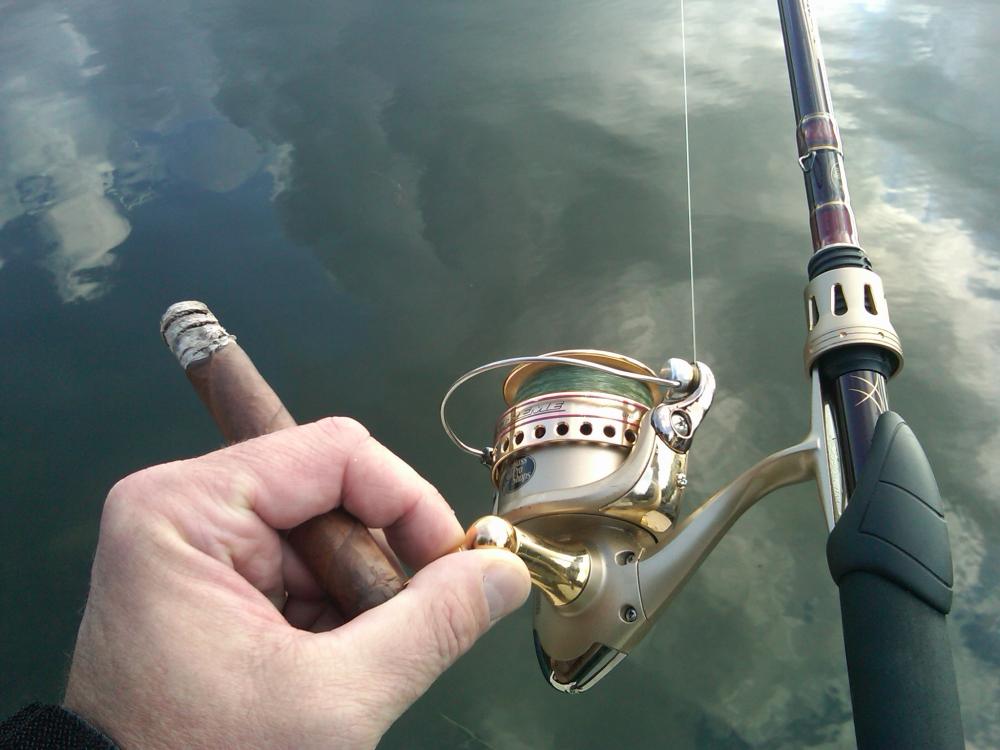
[{"x": 203, "y": 627}]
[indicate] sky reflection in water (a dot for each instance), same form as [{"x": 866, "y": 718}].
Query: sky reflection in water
[{"x": 480, "y": 181}]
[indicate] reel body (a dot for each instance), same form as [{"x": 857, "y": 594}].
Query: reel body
[
  {"x": 589, "y": 469},
  {"x": 589, "y": 472}
]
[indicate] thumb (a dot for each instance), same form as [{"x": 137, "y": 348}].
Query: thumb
[{"x": 403, "y": 645}]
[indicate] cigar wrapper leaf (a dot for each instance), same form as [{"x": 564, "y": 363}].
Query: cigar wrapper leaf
[{"x": 338, "y": 549}]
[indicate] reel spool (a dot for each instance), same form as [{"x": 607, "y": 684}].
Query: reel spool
[{"x": 589, "y": 465}]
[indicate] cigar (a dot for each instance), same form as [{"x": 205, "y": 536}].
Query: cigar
[{"x": 339, "y": 550}]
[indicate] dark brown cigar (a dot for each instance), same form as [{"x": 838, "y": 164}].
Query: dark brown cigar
[{"x": 339, "y": 550}]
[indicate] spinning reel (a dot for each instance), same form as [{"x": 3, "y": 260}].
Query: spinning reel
[{"x": 589, "y": 464}]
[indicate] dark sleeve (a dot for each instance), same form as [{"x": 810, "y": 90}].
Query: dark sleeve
[{"x": 51, "y": 728}]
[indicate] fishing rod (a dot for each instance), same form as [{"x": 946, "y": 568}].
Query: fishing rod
[
  {"x": 888, "y": 548},
  {"x": 589, "y": 464}
]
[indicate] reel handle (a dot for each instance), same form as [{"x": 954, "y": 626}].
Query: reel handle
[{"x": 561, "y": 574}]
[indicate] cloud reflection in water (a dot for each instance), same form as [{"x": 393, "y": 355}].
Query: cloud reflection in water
[
  {"x": 79, "y": 154},
  {"x": 492, "y": 180}
]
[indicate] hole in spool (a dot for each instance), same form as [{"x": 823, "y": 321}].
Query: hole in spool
[
  {"x": 539, "y": 432},
  {"x": 609, "y": 431},
  {"x": 519, "y": 438},
  {"x": 630, "y": 435},
  {"x": 562, "y": 428},
  {"x": 506, "y": 445},
  {"x": 586, "y": 428}
]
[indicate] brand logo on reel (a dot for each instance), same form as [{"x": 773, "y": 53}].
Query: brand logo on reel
[{"x": 517, "y": 474}]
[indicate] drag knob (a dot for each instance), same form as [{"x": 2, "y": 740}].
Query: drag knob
[{"x": 560, "y": 573}]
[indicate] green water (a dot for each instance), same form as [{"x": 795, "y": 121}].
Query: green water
[{"x": 378, "y": 196}]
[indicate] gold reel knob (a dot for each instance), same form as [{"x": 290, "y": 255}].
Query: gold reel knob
[{"x": 561, "y": 574}]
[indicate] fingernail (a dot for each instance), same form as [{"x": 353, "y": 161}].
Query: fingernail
[{"x": 506, "y": 585}]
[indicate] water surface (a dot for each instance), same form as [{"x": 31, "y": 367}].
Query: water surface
[{"x": 377, "y": 196}]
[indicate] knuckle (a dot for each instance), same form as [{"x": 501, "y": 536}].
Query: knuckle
[
  {"x": 130, "y": 501},
  {"x": 343, "y": 428},
  {"x": 135, "y": 489}
]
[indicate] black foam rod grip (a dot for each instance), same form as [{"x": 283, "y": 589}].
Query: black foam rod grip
[
  {"x": 889, "y": 555},
  {"x": 899, "y": 661}
]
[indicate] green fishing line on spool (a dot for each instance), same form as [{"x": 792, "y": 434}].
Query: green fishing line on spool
[{"x": 563, "y": 378}]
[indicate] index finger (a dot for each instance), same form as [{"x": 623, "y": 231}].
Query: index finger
[{"x": 292, "y": 475}]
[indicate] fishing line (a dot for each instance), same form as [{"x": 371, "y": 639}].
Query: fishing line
[
  {"x": 687, "y": 161},
  {"x": 565, "y": 379}
]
